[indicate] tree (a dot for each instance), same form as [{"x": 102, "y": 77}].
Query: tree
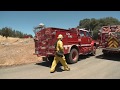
[
  {"x": 95, "y": 24},
  {"x": 0, "y": 32},
  {"x": 5, "y": 32},
  {"x": 84, "y": 23},
  {"x": 8, "y": 32}
]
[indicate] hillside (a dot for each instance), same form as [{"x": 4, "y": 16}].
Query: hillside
[{"x": 16, "y": 51}]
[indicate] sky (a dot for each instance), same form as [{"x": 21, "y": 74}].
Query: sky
[{"x": 25, "y": 21}]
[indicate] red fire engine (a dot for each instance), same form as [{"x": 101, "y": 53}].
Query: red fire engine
[
  {"x": 76, "y": 42},
  {"x": 109, "y": 39}
]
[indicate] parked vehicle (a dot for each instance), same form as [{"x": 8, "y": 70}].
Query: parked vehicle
[
  {"x": 109, "y": 39},
  {"x": 76, "y": 42}
]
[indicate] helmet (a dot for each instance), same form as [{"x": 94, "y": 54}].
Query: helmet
[{"x": 60, "y": 36}]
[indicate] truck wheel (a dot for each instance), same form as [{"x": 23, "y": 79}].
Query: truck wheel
[
  {"x": 73, "y": 56},
  {"x": 93, "y": 51}
]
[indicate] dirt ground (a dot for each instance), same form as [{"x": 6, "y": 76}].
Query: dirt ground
[{"x": 16, "y": 51}]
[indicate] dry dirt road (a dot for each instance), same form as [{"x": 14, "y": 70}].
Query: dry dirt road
[{"x": 98, "y": 67}]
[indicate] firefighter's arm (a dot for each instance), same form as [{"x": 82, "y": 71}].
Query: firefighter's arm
[{"x": 61, "y": 45}]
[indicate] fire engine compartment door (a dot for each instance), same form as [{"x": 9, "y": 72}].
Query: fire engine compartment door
[{"x": 46, "y": 42}]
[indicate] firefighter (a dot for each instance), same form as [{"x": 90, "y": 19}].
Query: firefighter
[{"x": 59, "y": 47}]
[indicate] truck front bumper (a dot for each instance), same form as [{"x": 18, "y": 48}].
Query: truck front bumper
[{"x": 111, "y": 50}]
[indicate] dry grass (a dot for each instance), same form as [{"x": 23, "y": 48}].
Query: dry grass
[{"x": 16, "y": 51}]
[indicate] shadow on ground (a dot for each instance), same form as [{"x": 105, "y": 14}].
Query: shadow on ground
[
  {"x": 48, "y": 64},
  {"x": 114, "y": 57},
  {"x": 83, "y": 57},
  {"x": 44, "y": 63},
  {"x": 59, "y": 65}
]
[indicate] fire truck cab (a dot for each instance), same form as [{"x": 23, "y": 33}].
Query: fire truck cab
[{"x": 76, "y": 42}]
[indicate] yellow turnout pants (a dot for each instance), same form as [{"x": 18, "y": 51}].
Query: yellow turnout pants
[{"x": 55, "y": 62}]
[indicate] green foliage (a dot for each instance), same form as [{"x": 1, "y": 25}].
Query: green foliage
[
  {"x": 5, "y": 32},
  {"x": 84, "y": 23},
  {"x": 95, "y": 34},
  {"x": 95, "y": 24},
  {"x": 8, "y": 32}
]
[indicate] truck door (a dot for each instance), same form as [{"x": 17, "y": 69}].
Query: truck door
[
  {"x": 88, "y": 38},
  {"x": 83, "y": 38}
]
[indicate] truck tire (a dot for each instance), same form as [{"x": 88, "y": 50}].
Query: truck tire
[{"x": 73, "y": 56}]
